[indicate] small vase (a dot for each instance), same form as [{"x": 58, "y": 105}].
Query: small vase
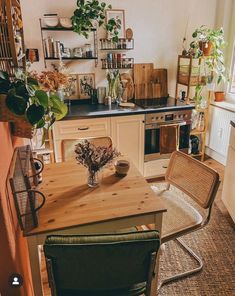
[{"x": 92, "y": 178}]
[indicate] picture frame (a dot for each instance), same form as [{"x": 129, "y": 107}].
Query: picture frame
[
  {"x": 120, "y": 14},
  {"x": 71, "y": 92},
  {"x": 85, "y": 82}
]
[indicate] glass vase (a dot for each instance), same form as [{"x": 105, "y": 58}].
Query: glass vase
[{"x": 92, "y": 178}]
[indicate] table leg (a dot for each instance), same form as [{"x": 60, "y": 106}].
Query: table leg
[
  {"x": 158, "y": 226},
  {"x": 35, "y": 265}
]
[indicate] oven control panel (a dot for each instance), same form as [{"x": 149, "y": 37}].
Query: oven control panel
[{"x": 169, "y": 117}]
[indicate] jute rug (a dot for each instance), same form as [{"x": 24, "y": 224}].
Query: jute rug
[{"x": 215, "y": 244}]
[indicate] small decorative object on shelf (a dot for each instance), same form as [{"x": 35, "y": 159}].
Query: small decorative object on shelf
[
  {"x": 194, "y": 144},
  {"x": 129, "y": 33},
  {"x": 201, "y": 122},
  {"x": 94, "y": 158}
]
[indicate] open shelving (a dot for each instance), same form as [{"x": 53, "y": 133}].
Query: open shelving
[
  {"x": 71, "y": 58},
  {"x": 189, "y": 75}
]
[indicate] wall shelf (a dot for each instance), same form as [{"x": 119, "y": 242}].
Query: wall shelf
[
  {"x": 52, "y": 47},
  {"x": 72, "y": 58},
  {"x": 61, "y": 29}
]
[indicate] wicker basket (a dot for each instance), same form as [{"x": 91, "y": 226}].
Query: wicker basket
[
  {"x": 5, "y": 114},
  {"x": 23, "y": 129},
  {"x": 194, "y": 80}
]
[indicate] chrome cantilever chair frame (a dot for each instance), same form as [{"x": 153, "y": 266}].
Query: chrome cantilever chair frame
[{"x": 187, "y": 174}]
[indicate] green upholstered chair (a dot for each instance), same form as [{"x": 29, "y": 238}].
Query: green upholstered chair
[{"x": 117, "y": 264}]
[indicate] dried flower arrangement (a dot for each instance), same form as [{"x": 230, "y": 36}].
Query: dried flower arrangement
[
  {"x": 52, "y": 80},
  {"x": 94, "y": 158}
]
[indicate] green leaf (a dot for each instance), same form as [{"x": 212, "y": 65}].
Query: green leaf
[
  {"x": 16, "y": 104},
  {"x": 4, "y": 75},
  {"x": 194, "y": 35},
  {"x": 41, "y": 123},
  {"x": 32, "y": 81},
  {"x": 35, "y": 113},
  {"x": 42, "y": 97}
]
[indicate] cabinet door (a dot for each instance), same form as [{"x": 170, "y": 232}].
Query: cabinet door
[
  {"x": 80, "y": 128},
  {"x": 219, "y": 130},
  {"x": 127, "y": 133},
  {"x": 228, "y": 193}
]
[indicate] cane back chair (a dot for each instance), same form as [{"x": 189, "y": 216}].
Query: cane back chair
[
  {"x": 68, "y": 145},
  {"x": 189, "y": 204}
]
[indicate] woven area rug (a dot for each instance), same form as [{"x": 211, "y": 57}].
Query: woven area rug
[{"x": 215, "y": 244}]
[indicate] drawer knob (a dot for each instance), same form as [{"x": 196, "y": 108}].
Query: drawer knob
[
  {"x": 164, "y": 167},
  {"x": 83, "y": 128}
]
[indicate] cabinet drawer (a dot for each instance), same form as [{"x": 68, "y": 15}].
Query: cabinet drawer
[
  {"x": 74, "y": 129},
  {"x": 155, "y": 168}
]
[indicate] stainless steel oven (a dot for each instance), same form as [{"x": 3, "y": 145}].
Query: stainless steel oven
[{"x": 153, "y": 122}]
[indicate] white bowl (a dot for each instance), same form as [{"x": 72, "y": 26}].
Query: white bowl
[
  {"x": 66, "y": 22},
  {"x": 51, "y": 20}
]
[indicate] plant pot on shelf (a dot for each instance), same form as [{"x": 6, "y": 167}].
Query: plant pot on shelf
[
  {"x": 206, "y": 47},
  {"x": 22, "y": 129},
  {"x": 5, "y": 114},
  {"x": 219, "y": 96}
]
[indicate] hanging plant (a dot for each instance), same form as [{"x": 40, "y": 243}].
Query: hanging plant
[
  {"x": 24, "y": 98},
  {"x": 89, "y": 13}
]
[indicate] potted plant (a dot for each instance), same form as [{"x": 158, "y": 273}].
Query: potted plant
[
  {"x": 210, "y": 43},
  {"x": 90, "y": 13},
  {"x": 23, "y": 102}
]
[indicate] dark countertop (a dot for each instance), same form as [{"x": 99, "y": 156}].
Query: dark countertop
[
  {"x": 232, "y": 122},
  {"x": 82, "y": 111}
]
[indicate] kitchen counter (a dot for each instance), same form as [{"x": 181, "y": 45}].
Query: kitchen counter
[
  {"x": 82, "y": 111},
  {"x": 232, "y": 122}
]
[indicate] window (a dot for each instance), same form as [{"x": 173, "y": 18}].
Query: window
[{"x": 231, "y": 89}]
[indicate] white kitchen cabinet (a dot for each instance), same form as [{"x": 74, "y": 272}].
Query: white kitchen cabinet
[
  {"x": 79, "y": 128},
  {"x": 127, "y": 133},
  {"x": 219, "y": 130},
  {"x": 228, "y": 193}
]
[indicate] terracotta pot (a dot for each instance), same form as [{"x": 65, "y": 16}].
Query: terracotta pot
[
  {"x": 206, "y": 47},
  {"x": 219, "y": 96}
]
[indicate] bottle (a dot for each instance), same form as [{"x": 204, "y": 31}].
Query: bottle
[{"x": 201, "y": 122}]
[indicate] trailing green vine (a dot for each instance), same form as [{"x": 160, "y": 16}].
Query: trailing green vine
[{"x": 90, "y": 12}]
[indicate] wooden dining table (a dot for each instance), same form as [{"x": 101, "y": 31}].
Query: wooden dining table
[{"x": 72, "y": 207}]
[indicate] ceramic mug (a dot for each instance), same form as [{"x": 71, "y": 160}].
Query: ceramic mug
[{"x": 122, "y": 167}]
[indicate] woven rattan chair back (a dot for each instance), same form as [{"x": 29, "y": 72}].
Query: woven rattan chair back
[
  {"x": 68, "y": 145},
  {"x": 193, "y": 177}
]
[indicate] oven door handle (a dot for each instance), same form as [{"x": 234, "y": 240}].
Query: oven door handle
[{"x": 157, "y": 125}]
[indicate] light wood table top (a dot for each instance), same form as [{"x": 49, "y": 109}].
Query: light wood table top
[{"x": 70, "y": 202}]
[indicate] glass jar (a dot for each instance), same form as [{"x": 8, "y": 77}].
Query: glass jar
[
  {"x": 92, "y": 178},
  {"x": 201, "y": 122}
]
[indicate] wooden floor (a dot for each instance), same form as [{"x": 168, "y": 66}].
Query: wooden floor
[{"x": 210, "y": 162}]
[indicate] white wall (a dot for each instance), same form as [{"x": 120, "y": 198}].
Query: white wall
[{"x": 158, "y": 25}]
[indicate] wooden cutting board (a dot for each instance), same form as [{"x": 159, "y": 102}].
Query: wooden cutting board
[
  {"x": 142, "y": 80},
  {"x": 128, "y": 83},
  {"x": 159, "y": 76}
]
